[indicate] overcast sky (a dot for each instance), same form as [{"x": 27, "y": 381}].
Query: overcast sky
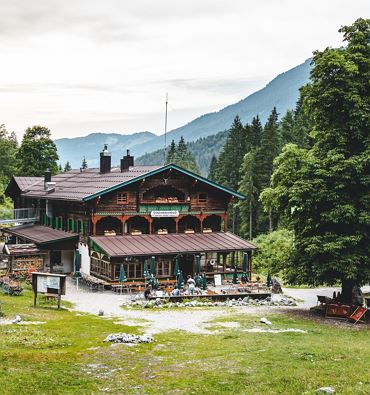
[{"x": 80, "y": 66}]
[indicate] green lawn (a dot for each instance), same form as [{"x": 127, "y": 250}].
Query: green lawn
[{"x": 67, "y": 356}]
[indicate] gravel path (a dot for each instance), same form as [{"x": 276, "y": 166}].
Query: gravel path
[{"x": 195, "y": 321}]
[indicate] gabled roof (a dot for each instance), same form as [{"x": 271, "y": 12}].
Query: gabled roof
[
  {"x": 144, "y": 245},
  {"x": 164, "y": 168},
  {"x": 88, "y": 184},
  {"x": 22, "y": 183}
]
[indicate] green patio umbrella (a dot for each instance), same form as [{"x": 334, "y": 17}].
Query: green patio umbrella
[
  {"x": 197, "y": 264},
  {"x": 153, "y": 267},
  {"x": 235, "y": 276},
  {"x": 146, "y": 272},
  {"x": 245, "y": 262},
  {"x": 153, "y": 282},
  {"x": 122, "y": 274},
  {"x": 204, "y": 282},
  {"x": 269, "y": 280},
  {"x": 180, "y": 281},
  {"x": 77, "y": 262},
  {"x": 176, "y": 270},
  {"x": 198, "y": 280}
]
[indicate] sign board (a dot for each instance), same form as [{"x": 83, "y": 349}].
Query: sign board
[
  {"x": 217, "y": 279},
  {"x": 49, "y": 284},
  {"x": 165, "y": 214}
]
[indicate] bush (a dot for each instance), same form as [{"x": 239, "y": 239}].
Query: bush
[{"x": 274, "y": 251}]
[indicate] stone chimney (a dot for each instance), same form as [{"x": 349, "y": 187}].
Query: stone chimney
[
  {"x": 127, "y": 161},
  {"x": 105, "y": 160}
]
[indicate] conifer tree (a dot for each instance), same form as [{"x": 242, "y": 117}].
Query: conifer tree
[
  {"x": 231, "y": 156},
  {"x": 171, "y": 154},
  {"x": 255, "y": 132},
  {"x": 268, "y": 150},
  {"x": 212, "y": 174},
  {"x": 84, "y": 164},
  {"x": 67, "y": 167}
]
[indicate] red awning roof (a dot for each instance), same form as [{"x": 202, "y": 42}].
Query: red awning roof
[
  {"x": 39, "y": 234},
  {"x": 142, "y": 245}
]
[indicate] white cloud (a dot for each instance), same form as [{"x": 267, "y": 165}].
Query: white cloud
[{"x": 79, "y": 66}]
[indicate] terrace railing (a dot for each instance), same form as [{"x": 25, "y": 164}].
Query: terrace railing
[{"x": 19, "y": 215}]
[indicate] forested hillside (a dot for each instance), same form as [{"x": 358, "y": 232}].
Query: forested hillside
[{"x": 202, "y": 149}]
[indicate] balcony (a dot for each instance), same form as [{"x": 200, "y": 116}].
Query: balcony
[{"x": 19, "y": 216}]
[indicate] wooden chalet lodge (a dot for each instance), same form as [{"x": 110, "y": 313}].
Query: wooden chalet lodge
[{"x": 125, "y": 214}]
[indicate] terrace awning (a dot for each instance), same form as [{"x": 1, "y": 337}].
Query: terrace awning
[{"x": 144, "y": 245}]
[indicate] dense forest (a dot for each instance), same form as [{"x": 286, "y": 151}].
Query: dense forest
[
  {"x": 202, "y": 149},
  {"x": 305, "y": 173}
]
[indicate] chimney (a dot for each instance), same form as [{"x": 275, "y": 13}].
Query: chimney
[
  {"x": 105, "y": 160},
  {"x": 127, "y": 161},
  {"x": 47, "y": 178}
]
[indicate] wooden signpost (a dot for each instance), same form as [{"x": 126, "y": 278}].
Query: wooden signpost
[{"x": 48, "y": 284}]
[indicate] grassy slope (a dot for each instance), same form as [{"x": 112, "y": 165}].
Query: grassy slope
[{"x": 55, "y": 358}]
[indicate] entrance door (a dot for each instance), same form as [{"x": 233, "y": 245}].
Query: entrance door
[{"x": 186, "y": 265}]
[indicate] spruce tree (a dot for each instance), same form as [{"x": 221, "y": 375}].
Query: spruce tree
[
  {"x": 229, "y": 164},
  {"x": 268, "y": 150},
  {"x": 212, "y": 174},
  {"x": 171, "y": 153},
  {"x": 67, "y": 167},
  {"x": 255, "y": 132},
  {"x": 231, "y": 156},
  {"x": 84, "y": 164}
]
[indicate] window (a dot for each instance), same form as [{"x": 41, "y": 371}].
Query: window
[
  {"x": 71, "y": 225},
  {"x": 164, "y": 268},
  {"x": 132, "y": 270},
  {"x": 80, "y": 227},
  {"x": 202, "y": 197},
  {"x": 122, "y": 198}
]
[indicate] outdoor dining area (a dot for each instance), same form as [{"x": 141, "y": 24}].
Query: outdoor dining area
[{"x": 200, "y": 285}]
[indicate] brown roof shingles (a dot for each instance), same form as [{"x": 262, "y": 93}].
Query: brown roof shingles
[
  {"x": 77, "y": 185},
  {"x": 39, "y": 234},
  {"x": 141, "y": 245}
]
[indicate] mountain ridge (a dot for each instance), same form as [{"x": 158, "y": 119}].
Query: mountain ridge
[{"x": 281, "y": 92}]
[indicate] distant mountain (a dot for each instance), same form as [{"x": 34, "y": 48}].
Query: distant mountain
[
  {"x": 74, "y": 149},
  {"x": 282, "y": 92}
]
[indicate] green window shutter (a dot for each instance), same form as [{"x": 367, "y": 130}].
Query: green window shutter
[
  {"x": 51, "y": 221},
  {"x": 56, "y": 223}
]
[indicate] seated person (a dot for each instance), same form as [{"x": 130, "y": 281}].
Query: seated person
[{"x": 175, "y": 291}]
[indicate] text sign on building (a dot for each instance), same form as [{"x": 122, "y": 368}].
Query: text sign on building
[{"x": 165, "y": 214}]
